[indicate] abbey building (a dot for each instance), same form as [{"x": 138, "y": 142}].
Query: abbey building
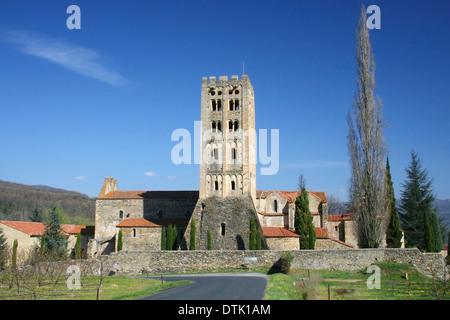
[{"x": 227, "y": 199}]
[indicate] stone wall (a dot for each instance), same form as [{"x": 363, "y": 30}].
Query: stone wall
[
  {"x": 228, "y": 220},
  {"x": 202, "y": 260}
]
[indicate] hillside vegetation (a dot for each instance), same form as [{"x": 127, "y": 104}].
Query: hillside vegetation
[{"x": 19, "y": 201}]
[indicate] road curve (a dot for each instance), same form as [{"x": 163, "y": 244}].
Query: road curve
[{"x": 215, "y": 286}]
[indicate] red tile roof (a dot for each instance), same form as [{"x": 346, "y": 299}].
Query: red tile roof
[
  {"x": 137, "y": 222},
  {"x": 291, "y": 195},
  {"x": 339, "y": 217},
  {"x": 160, "y": 195},
  {"x": 38, "y": 228},
  {"x": 278, "y": 232},
  {"x": 322, "y": 233}
]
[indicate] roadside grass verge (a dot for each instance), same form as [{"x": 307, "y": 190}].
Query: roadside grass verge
[{"x": 398, "y": 282}]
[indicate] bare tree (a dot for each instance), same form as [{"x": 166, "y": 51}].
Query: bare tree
[
  {"x": 367, "y": 147},
  {"x": 301, "y": 182},
  {"x": 335, "y": 205}
]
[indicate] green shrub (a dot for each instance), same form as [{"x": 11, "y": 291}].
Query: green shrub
[{"x": 285, "y": 263}]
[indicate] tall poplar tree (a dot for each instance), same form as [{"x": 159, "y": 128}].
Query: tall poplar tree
[{"x": 366, "y": 145}]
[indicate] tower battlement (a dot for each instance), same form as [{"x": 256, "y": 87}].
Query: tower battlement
[{"x": 212, "y": 80}]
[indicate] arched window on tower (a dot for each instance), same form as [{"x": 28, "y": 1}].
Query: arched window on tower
[{"x": 275, "y": 205}]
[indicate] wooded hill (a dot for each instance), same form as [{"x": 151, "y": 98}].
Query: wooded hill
[{"x": 19, "y": 201}]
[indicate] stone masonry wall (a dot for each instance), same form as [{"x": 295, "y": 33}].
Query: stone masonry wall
[
  {"x": 228, "y": 220},
  {"x": 202, "y": 260}
]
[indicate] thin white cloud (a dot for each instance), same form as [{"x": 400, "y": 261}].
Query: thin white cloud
[
  {"x": 149, "y": 174},
  {"x": 79, "y": 178},
  {"x": 75, "y": 58},
  {"x": 318, "y": 165},
  {"x": 171, "y": 177}
]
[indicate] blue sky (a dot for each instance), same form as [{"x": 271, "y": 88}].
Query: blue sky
[{"x": 77, "y": 106}]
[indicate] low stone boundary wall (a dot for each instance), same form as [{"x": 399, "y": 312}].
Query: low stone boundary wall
[{"x": 136, "y": 262}]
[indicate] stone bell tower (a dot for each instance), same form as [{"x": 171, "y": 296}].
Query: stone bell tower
[
  {"x": 228, "y": 161},
  {"x": 227, "y": 190}
]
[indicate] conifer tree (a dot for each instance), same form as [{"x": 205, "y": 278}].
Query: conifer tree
[
  {"x": 14, "y": 254},
  {"x": 163, "y": 239},
  {"x": 78, "y": 247},
  {"x": 416, "y": 204},
  {"x": 437, "y": 235},
  {"x": 3, "y": 249},
  {"x": 258, "y": 239},
  {"x": 394, "y": 233},
  {"x": 55, "y": 241},
  {"x": 192, "y": 244},
  {"x": 172, "y": 237},
  {"x": 120, "y": 241},
  {"x": 303, "y": 221},
  {"x": 429, "y": 237},
  {"x": 37, "y": 216},
  {"x": 209, "y": 240},
  {"x": 252, "y": 239}
]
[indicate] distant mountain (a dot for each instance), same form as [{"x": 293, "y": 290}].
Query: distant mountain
[
  {"x": 18, "y": 201},
  {"x": 443, "y": 210}
]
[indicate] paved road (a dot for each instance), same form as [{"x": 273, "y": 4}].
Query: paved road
[{"x": 216, "y": 286}]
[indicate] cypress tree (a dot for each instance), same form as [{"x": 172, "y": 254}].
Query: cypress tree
[
  {"x": 172, "y": 237},
  {"x": 251, "y": 244},
  {"x": 438, "y": 239},
  {"x": 394, "y": 233},
  {"x": 304, "y": 221},
  {"x": 120, "y": 241},
  {"x": 14, "y": 254},
  {"x": 429, "y": 237},
  {"x": 169, "y": 238},
  {"x": 193, "y": 233},
  {"x": 163, "y": 239},
  {"x": 258, "y": 239},
  {"x": 78, "y": 247},
  {"x": 311, "y": 232},
  {"x": 3, "y": 248},
  {"x": 209, "y": 244},
  {"x": 42, "y": 246}
]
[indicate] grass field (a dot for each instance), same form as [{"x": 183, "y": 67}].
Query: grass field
[
  {"x": 112, "y": 288},
  {"x": 345, "y": 285}
]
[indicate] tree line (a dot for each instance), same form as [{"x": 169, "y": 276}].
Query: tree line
[{"x": 21, "y": 202}]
